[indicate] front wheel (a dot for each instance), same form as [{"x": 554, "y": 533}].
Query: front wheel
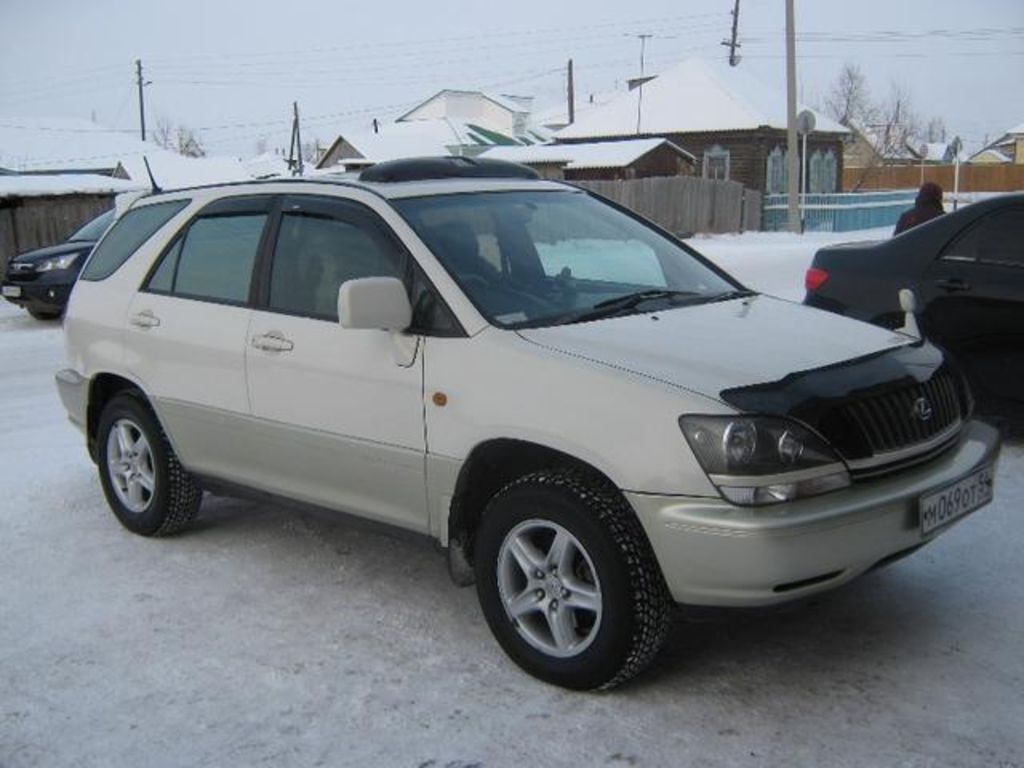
[
  {"x": 568, "y": 582},
  {"x": 147, "y": 489}
]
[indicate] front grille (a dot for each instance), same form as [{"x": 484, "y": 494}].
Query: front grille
[
  {"x": 904, "y": 417},
  {"x": 21, "y": 272}
]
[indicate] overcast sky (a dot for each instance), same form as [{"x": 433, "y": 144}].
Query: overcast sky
[{"x": 232, "y": 69}]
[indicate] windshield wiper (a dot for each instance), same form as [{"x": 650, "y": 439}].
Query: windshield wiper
[
  {"x": 629, "y": 302},
  {"x": 729, "y": 295}
]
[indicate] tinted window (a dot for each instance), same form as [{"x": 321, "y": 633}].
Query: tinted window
[
  {"x": 1000, "y": 238},
  {"x": 128, "y": 233},
  {"x": 94, "y": 229},
  {"x": 315, "y": 254},
  {"x": 213, "y": 260}
]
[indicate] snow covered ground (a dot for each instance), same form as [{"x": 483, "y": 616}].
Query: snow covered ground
[{"x": 267, "y": 637}]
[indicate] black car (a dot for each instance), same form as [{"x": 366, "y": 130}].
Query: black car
[
  {"x": 41, "y": 280},
  {"x": 967, "y": 271}
]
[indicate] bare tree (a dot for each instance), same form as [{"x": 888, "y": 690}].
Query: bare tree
[
  {"x": 936, "y": 130},
  {"x": 163, "y": 133},
  {"x": 189, "y": 143},
  {"x": 177, "y": 138},
  {"x": 898, "y": 126},
  {"x": 847, "y": 101}
]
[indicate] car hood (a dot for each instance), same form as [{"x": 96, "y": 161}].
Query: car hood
[
  {"x": 40, "y": 254},
  {"x": 708, "y": 348}
]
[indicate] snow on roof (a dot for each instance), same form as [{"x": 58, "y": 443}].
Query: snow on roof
[
  {"x": 693, "y": 96},
  {"x": 1016, "y": 130},
  {"x": 600, "y": 154},
  {"x": 174, "y": 171},
  {"x": 420, "y": 138},
  {"x": 30, "y": 185},
  {"x": 266, "y": 165},
  {"x": 37, "y": 144},
  {"x": 999, "y": 157},
  {"x": 557, "y": 116},
  {"x": 514, "y": 104}
]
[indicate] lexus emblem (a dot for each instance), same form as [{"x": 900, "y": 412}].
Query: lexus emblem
[{"x": 922, "y": 409}]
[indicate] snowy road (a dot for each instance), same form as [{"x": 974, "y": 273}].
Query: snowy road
[{"x": 263, "y": 636}]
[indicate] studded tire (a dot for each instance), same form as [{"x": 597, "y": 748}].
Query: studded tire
[
  {"x": 634, "y": 601},
  {"x": 174, "y": 500}
]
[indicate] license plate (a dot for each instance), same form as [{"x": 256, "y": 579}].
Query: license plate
[
  {"x": 951, "y": 503},
  {"x": 14, "y": 291}
]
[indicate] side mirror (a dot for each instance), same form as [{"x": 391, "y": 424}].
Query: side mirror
[
  {"x": 374, "y": 303},
  {"x": 908, "y": 303}
]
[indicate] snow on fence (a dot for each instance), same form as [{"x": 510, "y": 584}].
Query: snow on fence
[
  {"x": 840, "y": 212},
  {"x": 686, "y": 204}
]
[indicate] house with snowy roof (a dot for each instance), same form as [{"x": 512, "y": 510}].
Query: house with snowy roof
[
  {"x": 1008, "y": 148},
  {"x": 734, "y": 125},
  {"x": 451, "y": 122},
  {"x": 505, "y": 115},
  {"x": 591, "y": 161}
]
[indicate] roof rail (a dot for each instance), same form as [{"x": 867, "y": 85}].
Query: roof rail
[{"x": 423, "y": 168}]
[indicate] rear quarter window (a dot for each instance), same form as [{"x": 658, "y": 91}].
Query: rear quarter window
[{"x": 129, "y": 232}]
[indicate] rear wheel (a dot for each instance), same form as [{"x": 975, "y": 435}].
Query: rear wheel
[
  {"x": 568, "y": 582},
  {"x": 42, "y": 314},
  {"x": 145, "y": 485}
]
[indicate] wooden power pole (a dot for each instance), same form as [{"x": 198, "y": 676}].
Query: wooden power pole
[
  {"x": 732, "y": 44},
  {"x": 792, "y": 190},
  {"x": 571, "y": 96},
  {"x": 142, "y": 102}
]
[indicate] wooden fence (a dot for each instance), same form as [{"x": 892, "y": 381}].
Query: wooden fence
[
  {"x": 35, "y": 222},
  {"x": 973, "y": 178},
  {"x": 686, "y": 204}
]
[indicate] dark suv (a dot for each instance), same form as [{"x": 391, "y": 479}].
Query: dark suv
[{"x": 41, "y": 280}]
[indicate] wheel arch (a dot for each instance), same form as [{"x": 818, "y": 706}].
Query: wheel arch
[
  {"x": 104, "y": 387},
  {"x": 490, "y": 466}
]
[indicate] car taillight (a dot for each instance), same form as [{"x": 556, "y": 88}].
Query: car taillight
[{"x": 815, "y": 278}]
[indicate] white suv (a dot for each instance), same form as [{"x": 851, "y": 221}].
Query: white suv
[{"x": 593, "y": 420}]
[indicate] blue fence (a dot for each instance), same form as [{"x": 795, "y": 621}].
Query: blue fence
[{"x": 839, "y": 212}]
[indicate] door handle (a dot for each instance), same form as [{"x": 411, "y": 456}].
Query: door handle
[
  {"x": 953, "y": 284},
  {"x": 274, "y": 341},
  {"x": 144, "y": 319}
]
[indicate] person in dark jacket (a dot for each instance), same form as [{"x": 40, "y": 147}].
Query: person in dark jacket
[{"x": 927, "y": 206}]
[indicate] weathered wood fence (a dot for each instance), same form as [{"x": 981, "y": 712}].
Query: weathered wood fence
[
  {"x": 35, "y": 222},
  {"x": 686, "y": 204},
  {"x": 973, "y": 178}
]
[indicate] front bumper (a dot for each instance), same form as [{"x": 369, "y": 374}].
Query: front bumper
[
  {"x": 41, "y": 295},
  {"x": 714, "y": 553}
]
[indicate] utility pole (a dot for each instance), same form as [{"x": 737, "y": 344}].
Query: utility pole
[
  {"x": 571, "y": 96},
  {"x": 644, "y": 37},
  {"x": 791, "y": 145},
  {"x": 142, "y": 103},
  {"x": 295, "y": 153},
  {"x": 732, "y": 45}
]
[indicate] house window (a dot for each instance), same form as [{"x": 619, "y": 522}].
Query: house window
[
  {"x": 822, "y": 172},
  {"x": 716, "y": 163},
  {"x": 777, "y": 172}
]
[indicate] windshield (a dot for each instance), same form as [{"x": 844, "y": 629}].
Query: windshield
[
  {"x": 528, "y": 259},
  {"x": 95, "y": 228}
]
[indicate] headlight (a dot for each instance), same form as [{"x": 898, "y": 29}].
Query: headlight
[
  {"x": 58, "y": 262},
  {"x": 763, "y": 459}
]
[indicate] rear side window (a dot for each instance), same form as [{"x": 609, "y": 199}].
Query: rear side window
[
  {"x": 213, "y": 260},
  {"x": 996, "y": 239},
  {"x": 128, "y": 233}
]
